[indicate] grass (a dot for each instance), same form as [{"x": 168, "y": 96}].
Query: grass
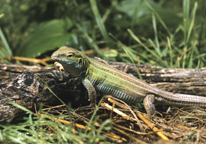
[
  {"x": 44, "y": 127},
  {"x": 116, "y": 25},
  {"x": 46, "y": 130}
]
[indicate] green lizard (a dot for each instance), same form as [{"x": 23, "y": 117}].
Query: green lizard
[{"x": 102, "y": 77}]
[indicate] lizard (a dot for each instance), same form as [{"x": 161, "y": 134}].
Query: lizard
[{"x": 97, "y": 75}]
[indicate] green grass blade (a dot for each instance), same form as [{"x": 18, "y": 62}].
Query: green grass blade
[
  {"x": 16, "y": 140},
  {"x": 134, "y": 18},
  {"x": 1, "y": 136},
  {"x": 170, "y": 52},
  {"x": 19, "y": 106},
  {"x": 100, "y": 22},
  {"x": 157, "y": 47},
  {"x": 103, "y": 126},
  {"x": 190, "y": 64},
  {"x": 50, "y": 90},
  {"x": 89, "y": 39},
  {"x": 6, "y": 45},
  {"x": 158, "y": 17},
  {"x": 192, "y": 22},
  {"x": 186, "y": 8},
  {"x": 202, "y": 29},
  {"x": 129, "y": 54},
  {"x": 93, "y": 115},
  {"x": 190, "y": 136},
  {"x": 142, "y": 44}
]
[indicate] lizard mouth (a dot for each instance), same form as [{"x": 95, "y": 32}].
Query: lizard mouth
[{"x": 54, "y": 57}]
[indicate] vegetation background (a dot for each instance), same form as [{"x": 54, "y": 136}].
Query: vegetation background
[{"x": 154, "y": 32}]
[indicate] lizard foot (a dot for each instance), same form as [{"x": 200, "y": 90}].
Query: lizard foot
[
  {"x": 58, "y": 66},
  {"x": 148, "y": 104}
]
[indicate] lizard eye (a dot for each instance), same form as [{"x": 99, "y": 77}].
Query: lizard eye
[{"x": 69, "y": 55}]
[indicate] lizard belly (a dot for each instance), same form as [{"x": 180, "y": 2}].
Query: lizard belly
[
  {"x": 118, "y": 93},
  {"x": 117, "y": 88}
]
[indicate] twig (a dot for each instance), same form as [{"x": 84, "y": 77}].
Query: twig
[
  {"x": 137, "y": 120},
  {"x": 33, "y": 60},
  {"x": 151, "y": 125}
]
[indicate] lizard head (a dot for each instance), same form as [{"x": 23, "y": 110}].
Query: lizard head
[{"x": 73, "y": 61}]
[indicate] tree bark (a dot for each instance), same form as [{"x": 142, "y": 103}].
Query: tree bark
[{"x": 19, "y": 84}]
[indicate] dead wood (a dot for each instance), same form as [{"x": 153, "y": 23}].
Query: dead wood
[{"x": 20, "y": 84}]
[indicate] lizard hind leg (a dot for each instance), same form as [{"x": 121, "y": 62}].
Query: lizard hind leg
[{"x": 148, "y": 104}]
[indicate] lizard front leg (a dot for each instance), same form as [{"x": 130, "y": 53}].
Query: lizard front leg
[
  {"x": 148, "y": 104},
  {"x": 58, "y": 66},
  {"x": 91, "y": 91}
]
